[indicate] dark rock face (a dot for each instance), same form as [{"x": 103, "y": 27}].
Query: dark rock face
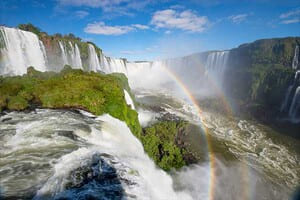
[
  {"x": 260, "y": 73},
  {"x": 97, "y": 180}
]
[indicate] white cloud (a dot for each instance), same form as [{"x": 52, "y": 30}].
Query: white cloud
[
  {"x": 185, "y": 20},
  {"x": 81, "y": 14},
  {"x": 292, "y": 13},
  {"x": 290, "y": 21},
  {"x": 91, "y": 3},
  {"x": 101, "y": 29},
  {"x": 140, "y": 26},
  {"x": 114, "y": 7},
  {"x": 237, "y": 19},
  {"x": 168, "y": 32},
  {"x": 128, "y": 52},
  {"x": 290, "y": 17}
]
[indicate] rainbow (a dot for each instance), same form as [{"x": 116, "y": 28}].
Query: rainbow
[{"x": 189, "y": 95}]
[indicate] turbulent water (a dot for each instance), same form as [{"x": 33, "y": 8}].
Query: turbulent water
[
  {"x": 252, "y": 161},
  {"x": 21, "y": 50},
  {"x": 64, "y": 154}
]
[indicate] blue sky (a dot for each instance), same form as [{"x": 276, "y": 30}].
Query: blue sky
[{"x": 152, "y": 29}]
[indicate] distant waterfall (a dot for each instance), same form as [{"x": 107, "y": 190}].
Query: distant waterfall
[
  {"x": 74, "y": 54},
  {"x": 200, "y": 73},
  {"x": 296, "y": 58},
  {"x": 94, "y": 64},
  {"x": 215, "y": 66},
  {"x": 129, "y": 100},
  {"x": 63, "y": 53},
  {"x": 70, "y": 54},
  {"x": 291, "y": 103},
  {"x": 20, "y": 50},
  {"x": 293, "y": 112},
  {"x": 111, "y": 65},
  {"x": 216, "y": 63}
]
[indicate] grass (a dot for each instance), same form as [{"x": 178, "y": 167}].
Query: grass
[{"x": 94, "y": 92}]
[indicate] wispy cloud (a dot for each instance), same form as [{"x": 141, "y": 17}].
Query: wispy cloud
[
  {"x": 140, "y": 26},
  {"x": 91, "y": 3},
  {"x": 128, "y": 52},
  {"x": 138, "y": 52},
  {"x": 101, "y": 28},
  {"x": 237, "y": 19},
  {"x": 290, "y": 14},
  {"x": 290, "y": 21},
  {"x": 186, "y": 20},
  {"x": 81, "y": 14},
  {"x": 290, "y": 17},
  {"x": 115, "y": 7}
]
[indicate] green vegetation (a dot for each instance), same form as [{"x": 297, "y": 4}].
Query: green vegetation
[
  {"x": 261, "y": 73},
  {"x": 98, "y": 94},
  {"x": 159, "y": 141},
  {"x": 94, "y": 92},
  {"x": 30, "y": 27},
  {"x": 269, "y": 82}
]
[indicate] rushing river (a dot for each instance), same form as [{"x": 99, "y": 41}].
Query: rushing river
[
  {"x": 60, "y": 154},
  {"x": 251, "y": 161}
]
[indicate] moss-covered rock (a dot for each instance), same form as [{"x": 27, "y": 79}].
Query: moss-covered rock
[
  {"x": 160, "y": 142},
  {"x": 17, "y": 103},
  {"x": 94, "y": 92}
]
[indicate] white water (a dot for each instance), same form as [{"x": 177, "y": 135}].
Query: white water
[
  {"x": 22, "y": 49},
  {"x": 94, "y": 64},
  {"x": 74, "y": 55},
  {"x": 129, "y": 100},
  {"x": 291, "y": 103},
  {"x": 63, "y": 53},
  {"x": 286, "y": 98},
  {"x": 55, "y": 143},
  {"x": 295, "y": 106},
  {"x": 216, "y": 64},
  {"x": 111, "y": 65},
  {"x": 267, "y": 168},
  {"x": 296, "y": 58},
  {"x": 70, "y": 54}
]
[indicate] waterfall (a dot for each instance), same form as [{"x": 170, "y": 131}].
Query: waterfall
[
  {"x": 196, "y": 71},
  {"x": 104, "y": 63},
  {"x": 216, "y": 63},
  {"x": 20, "y": 50},
  {"x": 112, "y": 65},
  {"x": 295, "y": 105},
  {"x": 74, "y": 55},
  {"x": 286, "y": 99},
  {"x": 70, "y": 54},
  {"x": 94, "y": 64},
  {"x": 296, "y": 58},
  {"x": 291, "y": 103},
  {"x": 129, "y": 100},
  {"x": 63, "y": 53}
]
